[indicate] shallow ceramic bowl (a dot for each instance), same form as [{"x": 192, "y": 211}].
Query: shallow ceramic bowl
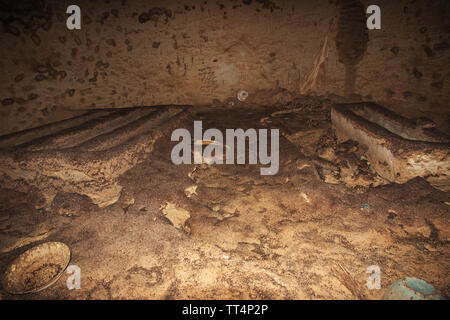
[{"x": 36, "y": 269}]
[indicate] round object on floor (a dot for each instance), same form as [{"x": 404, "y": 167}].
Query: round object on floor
[
  {"x": 242, "y": 95},
  {"x": 36, "y": 269},
  {"x": 412, "y": 289}
]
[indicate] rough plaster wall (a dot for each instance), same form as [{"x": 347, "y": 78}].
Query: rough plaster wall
[
  {"x": 130, "y": 53},
  {"x": 407, "y": 64}
]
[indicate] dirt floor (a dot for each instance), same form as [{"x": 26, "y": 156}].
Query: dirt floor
[{"x": 227, "y": 232}]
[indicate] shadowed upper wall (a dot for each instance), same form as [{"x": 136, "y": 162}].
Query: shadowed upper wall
[{"x": 133, "y": 53}]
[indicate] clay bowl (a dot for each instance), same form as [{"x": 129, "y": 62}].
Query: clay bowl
[{"x": 36, "y": 269}]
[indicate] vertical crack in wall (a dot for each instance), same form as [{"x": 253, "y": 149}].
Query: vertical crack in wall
[{"x": 351, "y": 39}]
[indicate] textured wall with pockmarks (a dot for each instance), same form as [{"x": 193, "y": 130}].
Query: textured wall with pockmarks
[{"x": 133, "y": 53}]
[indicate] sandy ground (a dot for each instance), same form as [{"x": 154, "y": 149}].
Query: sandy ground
[{"x": 240, "y": 235}]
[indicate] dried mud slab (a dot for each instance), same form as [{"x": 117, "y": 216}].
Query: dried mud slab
[
  {"x": 84, "y": 155},
  {"x": 398, "y": 148}
]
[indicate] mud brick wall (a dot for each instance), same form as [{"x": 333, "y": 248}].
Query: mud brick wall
[{"x": 139, "y": 53}]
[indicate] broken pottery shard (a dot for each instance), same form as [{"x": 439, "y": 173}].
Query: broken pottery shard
[
  {"x": 177, "y": 216},
  {"x": 190, "y": 191},
  {"x": 207, "y": 159}
]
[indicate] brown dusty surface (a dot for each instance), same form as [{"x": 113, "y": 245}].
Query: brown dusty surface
[{"x": 247, "y": 236}]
